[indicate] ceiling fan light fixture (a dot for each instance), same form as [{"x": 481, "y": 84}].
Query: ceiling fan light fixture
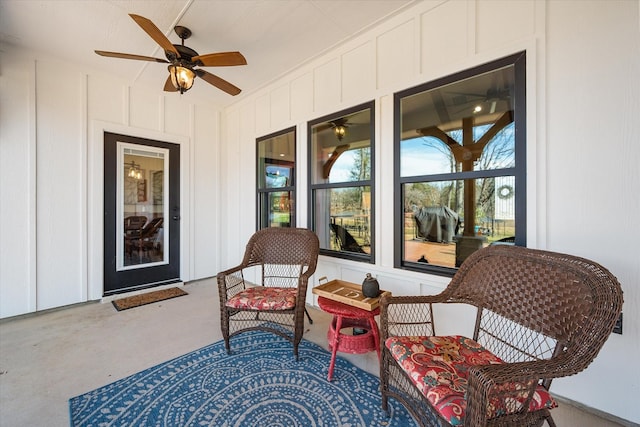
[
  {"x": 134, "y": 170},
  {"x": 181, "y": 77},
  {"x": 340, "y": 131}
]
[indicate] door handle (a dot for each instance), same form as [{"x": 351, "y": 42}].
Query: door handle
[{"x": 176, "y": 217}]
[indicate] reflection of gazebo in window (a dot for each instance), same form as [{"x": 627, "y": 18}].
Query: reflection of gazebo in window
[{"x": 465, "y": 155}]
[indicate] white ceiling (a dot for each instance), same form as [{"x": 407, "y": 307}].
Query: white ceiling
[{"x": 275, "y": 36}]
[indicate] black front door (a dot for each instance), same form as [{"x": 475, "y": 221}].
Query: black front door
[{"x": 141, "y": 213}]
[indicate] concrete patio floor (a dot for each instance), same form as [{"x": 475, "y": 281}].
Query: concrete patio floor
[{"x": 49, "y": 357}]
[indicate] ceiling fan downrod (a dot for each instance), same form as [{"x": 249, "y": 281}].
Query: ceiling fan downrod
[{"x": 182, "y": 32}]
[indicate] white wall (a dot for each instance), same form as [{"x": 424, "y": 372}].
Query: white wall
[
  {"x": 51, "y": 150},
  {"x": 583, "y": 63},
  {"x": 17, "y": 187}
]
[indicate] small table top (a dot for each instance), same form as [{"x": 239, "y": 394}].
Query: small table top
[
  {"x": 346, "y": 310},
  {"x": 348, "y": 293}
]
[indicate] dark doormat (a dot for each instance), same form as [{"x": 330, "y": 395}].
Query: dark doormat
[{"x": 148, "y": 298}]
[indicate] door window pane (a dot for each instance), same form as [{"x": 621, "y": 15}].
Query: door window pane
[{"x": 142, "y": 206}]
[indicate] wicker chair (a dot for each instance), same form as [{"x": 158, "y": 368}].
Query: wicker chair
[
  {"x": 544, "y": 315},
  {"x": 286, "y": 258}
]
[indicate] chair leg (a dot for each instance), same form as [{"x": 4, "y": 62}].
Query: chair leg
[
  {"x": 549, "y": 419},
  {"x": 224, "y": 325},
  {"x": 308, "y": 316},
  {"x": 384, "y": 383}
]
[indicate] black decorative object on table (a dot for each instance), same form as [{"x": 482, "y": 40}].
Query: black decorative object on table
[{"x": 370, "y": 287}]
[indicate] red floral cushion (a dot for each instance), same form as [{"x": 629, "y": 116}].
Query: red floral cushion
[
  {"x": 438, "y": 366},
  {"x": 264, "y": 298}
]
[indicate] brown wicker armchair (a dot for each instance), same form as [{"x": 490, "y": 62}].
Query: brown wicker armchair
[
  {"x": 544, "y": 315},
  {"x": 286, "y": 258}
]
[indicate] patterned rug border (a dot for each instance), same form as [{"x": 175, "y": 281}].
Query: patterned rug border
[
  {"x": 259, "y": 384},
  {"x": 147, "y": 298}
]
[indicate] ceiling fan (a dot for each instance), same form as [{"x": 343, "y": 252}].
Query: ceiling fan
[
  {"x": 495, "y": 93},
  {"x": 339, "y": 127},
  {"x": 183, "y": 60}
]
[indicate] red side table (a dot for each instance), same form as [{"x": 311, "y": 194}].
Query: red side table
[{"x": 345, "y": 316}]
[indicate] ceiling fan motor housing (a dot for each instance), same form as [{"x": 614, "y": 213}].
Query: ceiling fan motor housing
[{"x": 186, "y": 53}]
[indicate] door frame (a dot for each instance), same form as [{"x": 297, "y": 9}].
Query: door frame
[
  {"x": 95, "y": 197},
  {"x": 119, "y": 278}
]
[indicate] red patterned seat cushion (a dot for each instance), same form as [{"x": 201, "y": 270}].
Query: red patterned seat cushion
[
  {"x": 438, "y": 366},
  {"x": 264, "y": 298}
]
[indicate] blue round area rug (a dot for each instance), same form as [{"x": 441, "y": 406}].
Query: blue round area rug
[{"x": 259, "y": 384}]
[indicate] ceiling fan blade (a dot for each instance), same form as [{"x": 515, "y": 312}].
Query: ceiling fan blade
[
  {"x": 323, "y": 126},
  {"x": 218, "y": 82},
  {"x": 477, "y": 95},
  {"x": 130, "y": 56},
  {"x": 221, "y": 59},
  {"x": 157, "y": 35},
  {"x": 168, "y": 86}
]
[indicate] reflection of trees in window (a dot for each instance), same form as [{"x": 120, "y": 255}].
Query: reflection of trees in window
[
  {"x": 351, "y": 199},
  {"x": 347, "y": 200},
  {"x": 361, "y": 162},
  {"x": 497, "y": 153},
  {"x": 420, "y": 194}
]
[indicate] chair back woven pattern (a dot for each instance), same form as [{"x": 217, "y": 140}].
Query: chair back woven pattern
[
  {"x": 567, "y": 298},
  {"x": 281, "y": 245}
]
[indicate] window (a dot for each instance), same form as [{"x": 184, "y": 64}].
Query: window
[
  {"x": 276, "y": 179},
  {"x": 460, "y": 166},
  {"x": 341, "y": 182}
]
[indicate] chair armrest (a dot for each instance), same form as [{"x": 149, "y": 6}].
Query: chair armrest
[
  {"x": 303, "y": 284},
  {"x": 491, "y": 386},
  {"x": 230, "y": 282},
  {"x": 555, "y": 367}
]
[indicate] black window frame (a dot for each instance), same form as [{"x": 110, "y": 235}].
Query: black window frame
[
  {"x": 291, "y": 189},
  {"x": 371, "y": 257},
  {"x": 519, "y": 171}
]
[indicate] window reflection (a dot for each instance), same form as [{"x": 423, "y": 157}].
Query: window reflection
[
  {"x": 458, "y": 167},
  {"x": 277, "y": 208},
  {"x": 436, "y": 229},
  {"x": 341, "y": 149},
  {"x": 341, "y": 176},
  {"x": 348, "y": 219},
  {"x": 276, "y": 176}
]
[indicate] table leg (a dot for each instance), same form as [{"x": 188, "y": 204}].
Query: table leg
[
  {"x": 334, "y": 350},
  {"x": 376, "y": 334}
]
